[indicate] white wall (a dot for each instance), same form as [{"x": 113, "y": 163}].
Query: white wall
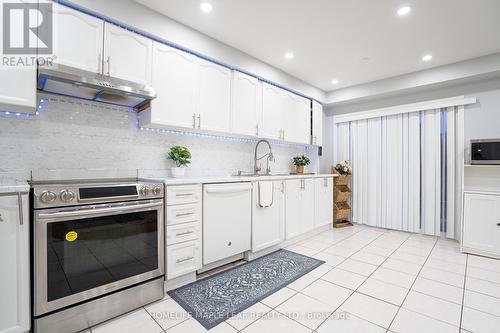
[
  {"x": 147, "y": 21},
  {"x": 482, "y": 120},
  {"x": 72, "y": 136}
]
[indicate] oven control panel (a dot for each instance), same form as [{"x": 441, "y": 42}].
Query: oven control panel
[{"x": 59, "y": 195}]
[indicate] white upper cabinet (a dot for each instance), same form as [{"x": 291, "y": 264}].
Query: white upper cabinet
[
  {"x": 285, "y": 116},
  {"x": 297, "y": 119},
  {"x": 127, "y": 55},
  {"x": 78, "y": 39},
  {"x": 214, "y": 97},
  {"x": 317, "y": 124},
  {"x": 18, "y": 90},
  {"x": 175, "y": 79},
  {"x": 273, "y": 106},
  {"x": 246, "y": 104},
  {"x": 14, "y": 260}
]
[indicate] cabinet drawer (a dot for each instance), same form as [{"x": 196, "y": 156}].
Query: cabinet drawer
[
  {"x": 182, "y": 233},
  {"x": 182, "y": 259},
  {"x": 183, "y": 194},
  {"x": 183, "y": 214}
]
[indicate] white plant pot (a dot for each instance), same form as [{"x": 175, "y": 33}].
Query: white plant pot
[{"x": 177, "y": 172}]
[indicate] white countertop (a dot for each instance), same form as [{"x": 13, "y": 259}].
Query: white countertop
[
  {"x": 235, "y": 179},
  {"x": 13, "y": 186}
]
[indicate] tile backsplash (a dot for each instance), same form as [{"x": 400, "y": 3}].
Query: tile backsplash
[{"x": 77, "y": 135}]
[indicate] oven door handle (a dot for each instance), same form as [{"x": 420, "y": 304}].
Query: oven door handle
[{"x": 82, "y": 212}]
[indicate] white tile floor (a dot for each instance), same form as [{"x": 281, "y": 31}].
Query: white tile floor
[{"x": 374, "y": 280}]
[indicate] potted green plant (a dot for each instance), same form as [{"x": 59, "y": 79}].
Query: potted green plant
[
  {"x": 300, "y": 162},
  {"x": 181, "y": 157}
]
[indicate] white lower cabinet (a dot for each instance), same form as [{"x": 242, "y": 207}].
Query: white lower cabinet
[
  {"x": 14, "y": 260},
  {"x": 268, "y": 223},
  {"x": 481, "y": 224},
  {"x": 299, "y": 213},
  {"x": 307, "y": 205},
  {"x": 292, "y": 208},
  {"x": 323, "y": 201},
  {"x": 183, "y": 230}
]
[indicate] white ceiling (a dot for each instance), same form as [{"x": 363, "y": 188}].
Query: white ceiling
[{"x": 355, "y": 41}]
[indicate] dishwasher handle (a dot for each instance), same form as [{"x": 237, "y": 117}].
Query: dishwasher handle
[{"x": 228, "y": 188}]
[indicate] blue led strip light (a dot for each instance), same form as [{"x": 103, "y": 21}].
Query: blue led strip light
[
  {"x": 220, "y": 137},
  {"x": 180, "y": 48}
]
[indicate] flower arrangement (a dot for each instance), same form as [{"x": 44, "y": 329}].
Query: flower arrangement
[{"x": 344, "y": 168}]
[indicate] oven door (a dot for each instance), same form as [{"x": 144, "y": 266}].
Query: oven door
[{"x": 87, "y": 251}]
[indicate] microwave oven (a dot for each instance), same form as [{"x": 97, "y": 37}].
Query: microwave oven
[{"x": 485, "y": 151}]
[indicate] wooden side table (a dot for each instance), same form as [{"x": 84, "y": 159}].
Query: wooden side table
[{"x": 341, "y": 195}]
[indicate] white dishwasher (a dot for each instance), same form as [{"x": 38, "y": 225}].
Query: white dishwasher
[{"x": 227, "y": 219}]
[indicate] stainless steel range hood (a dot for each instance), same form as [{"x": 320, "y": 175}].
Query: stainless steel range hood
[{"x": 69, "y": 81}]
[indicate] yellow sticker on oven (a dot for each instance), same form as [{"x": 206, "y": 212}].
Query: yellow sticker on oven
[{"x": 71, "y": 236}]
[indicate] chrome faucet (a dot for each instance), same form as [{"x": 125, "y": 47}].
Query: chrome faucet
[{"x": 269, "y": 156}]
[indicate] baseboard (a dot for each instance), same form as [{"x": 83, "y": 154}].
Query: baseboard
[
  {"x": 180, "y": 281},
  {"x": 219, "y": 263},
  {"x": 289, "y": 242}
]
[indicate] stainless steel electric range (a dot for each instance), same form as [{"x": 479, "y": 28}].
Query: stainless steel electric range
[{"x": 98, "y": 251}]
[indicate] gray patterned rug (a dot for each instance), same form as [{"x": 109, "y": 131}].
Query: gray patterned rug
[{"x": 223, "y": 295}]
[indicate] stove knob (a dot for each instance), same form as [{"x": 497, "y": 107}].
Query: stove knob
[
  {"x": 67, "y": 195},
  {"x": 145, "y": 191},
  {"x": 48, "y": 197},
  {"x": 157, "y": 190}
]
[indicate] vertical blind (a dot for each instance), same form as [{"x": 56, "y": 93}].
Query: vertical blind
[{"x": 406, "y": 169}]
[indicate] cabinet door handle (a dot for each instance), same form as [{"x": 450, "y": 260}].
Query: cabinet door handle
[
  {"x": 283, "y": 135},
  {"x": 178, "y": 261},
  {"x": 184, "y": 214},
  {"x": 109, "y": 65},
  {"x": 184, "y": 233},
  {"x": 199, "y": 121},
  {"x": 99, "y": 64},
  {"x": 20, "y": 204},
  {"x": 1, "y": 218},
  {"x": 194, "y": 120},
  {"x": 184, "y": 194},
  {"x": 257, "y": 130},
  {"x": 325, "y": 182}
]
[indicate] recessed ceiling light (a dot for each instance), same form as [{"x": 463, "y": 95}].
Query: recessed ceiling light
[
  {"x": 427, "y": 57},
  {"x": 335, "y": 81},
  {"x": 289, "y": 55},
  {"x": 404, "y": 10},
  {"x": 206, "y": 7}
]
